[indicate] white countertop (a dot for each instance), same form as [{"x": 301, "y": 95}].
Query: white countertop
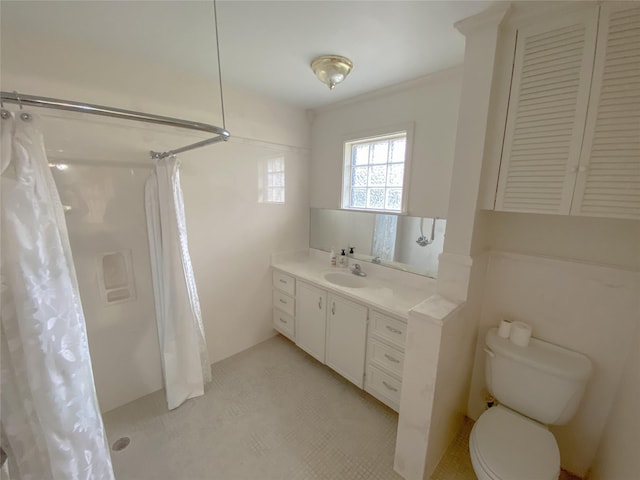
[{"x": 388, "y": 293}]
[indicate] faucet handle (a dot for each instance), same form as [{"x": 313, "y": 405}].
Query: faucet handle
[{"x": 356, "y": 270}]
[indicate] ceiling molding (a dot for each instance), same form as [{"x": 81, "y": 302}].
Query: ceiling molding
[
  {"x": 392, "y": 89},
  {"x": 490, "y": 17},
  {"x": 536, "y": 11}
]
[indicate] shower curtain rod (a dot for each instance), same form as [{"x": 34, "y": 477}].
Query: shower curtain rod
[{"x": 55, "y": 103}]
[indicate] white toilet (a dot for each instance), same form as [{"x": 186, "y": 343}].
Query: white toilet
[{"x": 537, "y": 385}]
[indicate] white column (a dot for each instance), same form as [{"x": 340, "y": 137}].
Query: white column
[
  {"x": 481, "y": 32},
  {"x": 416, "y": 456}
]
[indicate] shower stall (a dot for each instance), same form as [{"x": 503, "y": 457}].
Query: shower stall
[{"x": 110, "y": 230}]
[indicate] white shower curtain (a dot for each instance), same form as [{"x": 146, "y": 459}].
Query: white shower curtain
[
  {"x": 51, "y": 423},
  {"x": 183, "y": 350}
]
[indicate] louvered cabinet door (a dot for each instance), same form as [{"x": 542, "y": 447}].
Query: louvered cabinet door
[
  {"x": 547, "y": 109},
  {"x": 608, "y": 183}
]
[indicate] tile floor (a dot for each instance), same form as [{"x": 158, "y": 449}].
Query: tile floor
[{"x": 271, "y": 413}]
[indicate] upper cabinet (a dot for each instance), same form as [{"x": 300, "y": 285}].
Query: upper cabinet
[
  {"x": 608, "y": 182},
  {"x": 572, "y": 137}
]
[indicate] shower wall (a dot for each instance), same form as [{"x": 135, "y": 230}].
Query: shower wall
[
  {"x": 105, "y": 215},
  {"x": 243, "y": 201}
]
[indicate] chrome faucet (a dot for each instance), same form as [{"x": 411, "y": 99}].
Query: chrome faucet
[{"x": 357, "y": 271}]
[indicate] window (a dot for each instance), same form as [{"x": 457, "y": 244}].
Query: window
[
  {"x": 271, "y": 181},
  {"x": 374, "y": 172}
]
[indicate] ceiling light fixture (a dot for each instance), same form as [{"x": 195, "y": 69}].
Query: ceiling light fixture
[{"x": 331, "y": 69}]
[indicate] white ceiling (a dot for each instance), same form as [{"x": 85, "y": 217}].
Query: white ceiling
[{"x": 266, "y": 46}]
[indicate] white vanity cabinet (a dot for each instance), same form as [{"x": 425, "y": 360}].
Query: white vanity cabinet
[
  {"x": 385, "y": 358},
  {"x": 311, "y": 319},
  {"x": 284, "y": 288},
  {"x": 571, "y": 143},
  {"x": 359, "y": 342},
  {"x": 346, "y": 338}
]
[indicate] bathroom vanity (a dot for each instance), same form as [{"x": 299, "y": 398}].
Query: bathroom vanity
[{"x": 355, "y": 325}]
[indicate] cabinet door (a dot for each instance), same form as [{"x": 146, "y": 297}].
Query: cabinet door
[
  {"x": 608, "y": 181},
  {"x": 547, "y": 111},
  {"x": 346, "y": 338},
  {"x": 311, "y": 319}
]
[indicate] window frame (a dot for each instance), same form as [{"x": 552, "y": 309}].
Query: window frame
[{"x": 373, "y": 135}]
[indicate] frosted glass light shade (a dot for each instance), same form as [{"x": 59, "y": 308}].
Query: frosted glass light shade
[{"x": 331, "y": 69}]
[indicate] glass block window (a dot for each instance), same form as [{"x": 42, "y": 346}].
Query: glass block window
[
  {"x": 271, "y": 181},
  {"x": 374, "y": 171}
]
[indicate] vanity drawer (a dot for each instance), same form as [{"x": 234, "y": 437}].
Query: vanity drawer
[
  {"x": 383, "y": 386},
  {"x": 284, "y": 323},
  {"x": 284, "y": 282},
  {"x": 284, "y": 302},
  {"x": 386, "y": 356},
  {"x": 389, "y": 328}
]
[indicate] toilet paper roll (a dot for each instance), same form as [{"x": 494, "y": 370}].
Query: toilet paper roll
[
  {"x": 504, "y": 330},
  {"x": 520, "y": 333}
]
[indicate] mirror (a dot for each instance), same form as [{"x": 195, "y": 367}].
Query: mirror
[{"x": 395, "y": 241}]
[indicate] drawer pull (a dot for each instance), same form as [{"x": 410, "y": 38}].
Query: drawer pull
[
  {"x": 283, "y": 301},
  {"x": 394, "y": 330},
  {"x": 283, "y": 281},
  {"x": 391, "y": 359},
  {"x": 389, "y": 387},
  {"x": 320, "y": 303},
  {"x": 333, "y": 308},
  {"x": 283, "y": 320}
]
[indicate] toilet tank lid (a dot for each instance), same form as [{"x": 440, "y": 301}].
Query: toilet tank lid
[{"x": 542, "y": 356}]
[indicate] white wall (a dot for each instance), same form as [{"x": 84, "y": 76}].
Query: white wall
[
  {"x": 617, "y": 457},
  {"x": 607, "y": 241},
  {"x": 231, "y": 235},
  {"x": 431, "y": 103},
  {"x": 428, "y": 324},
  {"x": 455, "y": 365},
  {"x": 51, "y": 66},
  {"x": 588, "y": 308}
]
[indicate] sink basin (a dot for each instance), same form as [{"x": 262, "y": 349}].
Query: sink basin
[{"x": 345, "y": 280}]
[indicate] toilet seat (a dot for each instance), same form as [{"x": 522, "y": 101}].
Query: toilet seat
[{"x": 508, "y": 446}]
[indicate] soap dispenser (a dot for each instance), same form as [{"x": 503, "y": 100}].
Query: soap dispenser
[
  {"x": 332, "y": 257},
  {"x": 343, "y": 259}
]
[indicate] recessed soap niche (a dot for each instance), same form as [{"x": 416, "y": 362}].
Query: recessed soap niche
[{"x": 115, "y": 275}]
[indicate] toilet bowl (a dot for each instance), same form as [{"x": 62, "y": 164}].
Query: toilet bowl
[{"x": 505, "y": 445}]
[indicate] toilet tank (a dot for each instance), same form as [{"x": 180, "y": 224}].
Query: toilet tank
[{"x": 541, "y": 381}]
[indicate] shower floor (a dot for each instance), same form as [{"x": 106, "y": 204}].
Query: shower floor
[{"x": 271, "y": 412}]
